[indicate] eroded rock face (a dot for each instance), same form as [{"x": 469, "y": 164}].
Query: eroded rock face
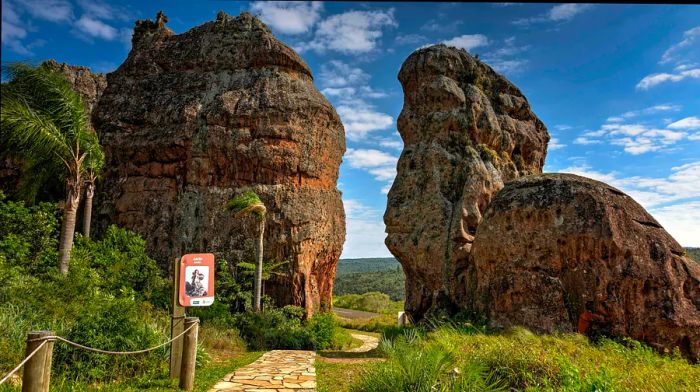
[
  {"x": 466, "y": 130},
  {"x": 559, "y": 252},
  {"x": 189, "y": 120}
]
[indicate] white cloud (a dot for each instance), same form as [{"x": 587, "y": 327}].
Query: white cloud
[
  {"x": 289, "y": 17},
  {"x": 563, "y": 12},
  {"x": 558, "y": 13},
  {"x": 467, "y": 41},
  {"x": 554, "y": 144},
  {"x": 586, "y": 141},
  {"x": 365, "y": 231},
  {"x": 690, "y": 39},
  {"x": 51, "y": 10},
  {"x": 391, "y": 143},
  {"x": 361, "y": 119},
  {"x": 562, "y": 127},
  {"x": 673, "y": 200},
  {"x": 410, "y": 39},
  {"x": 381, "y": 165},
  {"x": 348, "y": 88},
  {"x": 442, "y": 26},
  {"x": 13, "y": 29},
  {"x": 508, "y": 58},
  {"x": 352, "y": 32},
  {"x": 96, "y": 28},
  {"x": 688, "y": 123},
  {"x": 644, "y": 112},
  {"x": 658, "y": 78}
]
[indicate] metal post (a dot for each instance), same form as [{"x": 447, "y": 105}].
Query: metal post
[
  {"x": 36, "y": 376},
  {"x": 189, "y": 354},
  {"x": 176, "y": 324}
]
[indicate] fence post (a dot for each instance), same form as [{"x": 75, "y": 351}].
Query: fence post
[
  {"x": 176, "y": 326},
  {"x": 36, "y": 375},
  {"x": 189, "y": 354}
]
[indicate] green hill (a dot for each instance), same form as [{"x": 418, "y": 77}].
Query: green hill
[
  {"x": 359, "y": 276},
  {"x": 694, "y": 253}
]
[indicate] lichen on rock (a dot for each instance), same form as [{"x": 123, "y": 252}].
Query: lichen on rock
[
  {"x": 466, "y": 130},
  {"x": 191, "y": 119}
]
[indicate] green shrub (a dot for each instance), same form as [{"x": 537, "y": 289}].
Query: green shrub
[
  {"x": 326, "y": 333},
  {"x": 375, "y": 302},
  {"x": 115, "y": 325}
]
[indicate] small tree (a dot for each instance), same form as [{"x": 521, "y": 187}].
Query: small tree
[
  {"x": 45, "y": 123},
  {"x": 245, "y": 204},
  {"x": 269, "y": 269},
  {"x": 93, "y": 167}
]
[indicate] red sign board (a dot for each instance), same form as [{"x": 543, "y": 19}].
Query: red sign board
[{"x": 197, "y": 279}]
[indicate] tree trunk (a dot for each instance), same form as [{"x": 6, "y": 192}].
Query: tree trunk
[
  {"x": 87, "y": 213},
  {"x": 257, "y": 283},
  {"x": 68, "y": 226}
]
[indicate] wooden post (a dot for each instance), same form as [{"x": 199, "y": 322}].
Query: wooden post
[
  {"x": 176, "y": 323},
  {"x": 36, "y": 376},
  {"x": 189, "y": 354}
]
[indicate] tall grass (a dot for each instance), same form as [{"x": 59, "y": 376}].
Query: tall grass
[{"x": 467, "y": 359}]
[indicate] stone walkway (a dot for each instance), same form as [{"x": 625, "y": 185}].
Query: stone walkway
[
  {"x": 368, "y": 343},
  {"x": 274, "y": 371}
]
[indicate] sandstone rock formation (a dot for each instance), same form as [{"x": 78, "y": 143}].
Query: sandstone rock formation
[
  {"x": 559, "y": 252},
  {"x": 189, "y": 120},
  {"x": 466, "y": 130}
]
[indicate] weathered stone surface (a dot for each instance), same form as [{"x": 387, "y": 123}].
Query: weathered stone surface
[
  {"x": 189, "y": 120},
  {"x": 466, "y": 130},
  {"x": 559, "y": 252}
]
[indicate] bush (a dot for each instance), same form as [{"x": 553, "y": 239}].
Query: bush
[{"x": 375, "y": 302}]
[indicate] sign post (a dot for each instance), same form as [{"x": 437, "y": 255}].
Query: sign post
[{"x": 176, "y": 323}]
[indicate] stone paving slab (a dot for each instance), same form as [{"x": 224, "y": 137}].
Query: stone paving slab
[{"x": 274, "y": 371}]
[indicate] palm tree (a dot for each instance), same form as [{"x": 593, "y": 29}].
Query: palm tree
[
  {"x": 249, "y": 203},
  {"x": 44, "y": 121},
  {"x": 269, "y": 269},
  {"x": 93, "y": 166}
]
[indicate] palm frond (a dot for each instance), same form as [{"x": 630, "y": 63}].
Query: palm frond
[{"x": 248, "y": 202}]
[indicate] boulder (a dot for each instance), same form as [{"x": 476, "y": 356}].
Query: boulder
[
  {"x": 466, "y": 130},
  {"x": 559, "y": 252},
  {"x": 190, "y": 120}
]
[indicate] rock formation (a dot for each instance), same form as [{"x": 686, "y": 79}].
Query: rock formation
[
  {"x": 190, "y": 120},
  {"x": 466, "y": 130},
  {"x": 559, "y": 252}
]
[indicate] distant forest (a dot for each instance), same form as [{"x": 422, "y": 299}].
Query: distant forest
[
  {"x": 359, "y": 276},
  {"x": 694, "y": 253}
]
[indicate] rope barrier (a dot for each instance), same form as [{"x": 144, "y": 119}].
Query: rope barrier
[
  {"x": 96, "y": 350},
  {"x": 7, "y": 377}
]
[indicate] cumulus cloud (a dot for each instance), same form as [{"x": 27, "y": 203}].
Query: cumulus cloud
[
  {"x": 508, "y": 58},
  {"x": 289, "y": 17},
  {"x": 558, "y": 13},
  {"x": 688, "y": 123},
  {"x": 381, "y": 165},
  {"x": 348, "y": 88},
  {"x": 467, "y": 41},
  {"x": 51, "y": 10},
  {"x": 671, "y": 200},
  {"x": 554, "y": 144},
  {"x": 634, "y": 138},
  {"x": 352, "y": 32},
  {"x": 410, "y": 39},
  {"x": 656, "y": 79},
  {"x": 365, "y": 231},
  {"x": 13, "y": 29}
]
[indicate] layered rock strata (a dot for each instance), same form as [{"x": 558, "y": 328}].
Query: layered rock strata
[
  {"x": 190, "y": 120},
  {"x": 466, "y": 130}
]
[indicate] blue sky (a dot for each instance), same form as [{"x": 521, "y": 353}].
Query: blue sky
[{"x": 617, "y": 85}]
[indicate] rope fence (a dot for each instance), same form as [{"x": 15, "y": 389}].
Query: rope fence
[{"x": 45, "y": 339}]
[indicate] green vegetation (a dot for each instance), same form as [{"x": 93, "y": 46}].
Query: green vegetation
[
  {"x": 693, "y": 253},
  {"x": 45, "y": 124},
  {"x": 113, "y": 297},
  {"x": 369, "y": 302},
  {"x": 520, "y": 360},
  {"x": 286, "y": 328},
  {"x": 359, "y": 276},
  {"x": 245, "y": 204}
]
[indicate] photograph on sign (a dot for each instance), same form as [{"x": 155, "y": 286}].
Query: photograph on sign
[{"x": 196, "y": 286}]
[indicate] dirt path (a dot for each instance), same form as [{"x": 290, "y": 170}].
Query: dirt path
[
  {"x": 275, "y": 371},
  {"x": 354, "y": 314},
  {"x": 368, "y": 343}
]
